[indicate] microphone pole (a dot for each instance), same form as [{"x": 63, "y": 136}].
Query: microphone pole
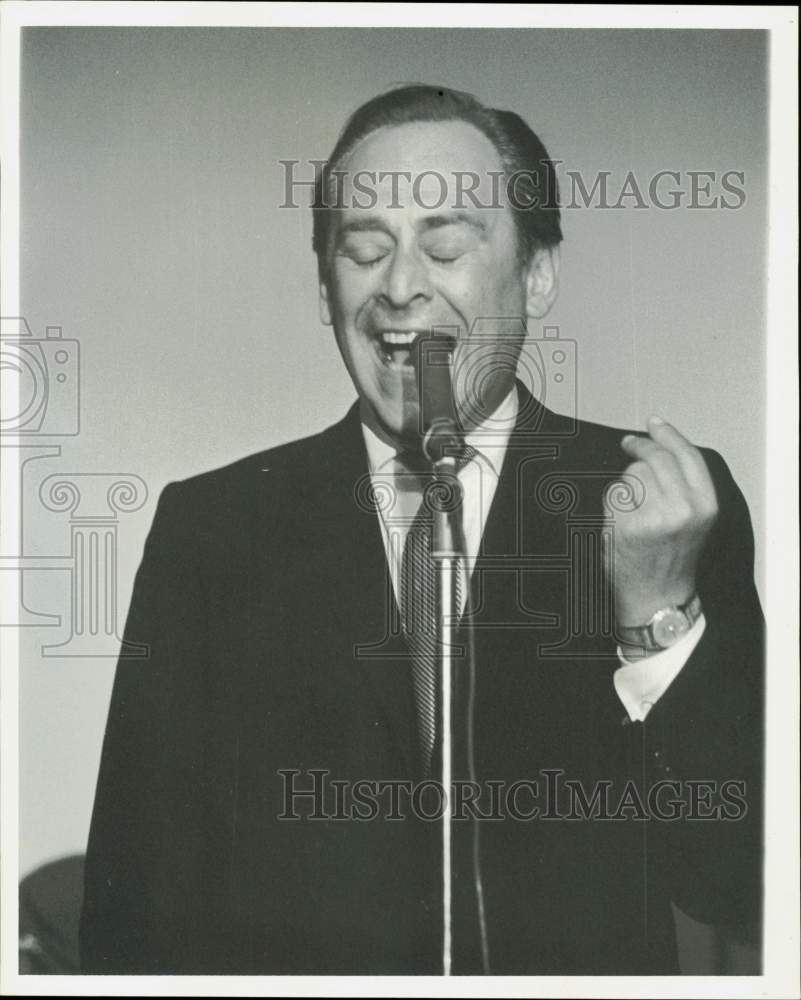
[{"x": 442, "y": 444}]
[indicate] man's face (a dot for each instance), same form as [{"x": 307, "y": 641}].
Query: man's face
[{"x": 401, "y": 267}]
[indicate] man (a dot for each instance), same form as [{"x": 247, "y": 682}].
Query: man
[{"x": 257, "y": 807}]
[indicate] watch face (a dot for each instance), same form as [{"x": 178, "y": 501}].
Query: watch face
[{"x": 669, "y": 626}]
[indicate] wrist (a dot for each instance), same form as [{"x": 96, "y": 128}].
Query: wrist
[
  {"x": 634, "y": 653},
  {"x": 663, "y": 629},
  {"x": 635, "y": 609}
]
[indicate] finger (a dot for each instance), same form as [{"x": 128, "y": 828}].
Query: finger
[
  {"x": 687, "y": 455},
  {"x": 665, "y": 466}
]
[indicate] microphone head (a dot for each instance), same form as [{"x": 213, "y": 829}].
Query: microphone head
[
  {"x": 441, "y": 441},
  {"x": 439, "y": 426}
]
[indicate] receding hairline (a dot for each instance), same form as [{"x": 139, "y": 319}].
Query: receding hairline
[{"x": 419, "y": 125}]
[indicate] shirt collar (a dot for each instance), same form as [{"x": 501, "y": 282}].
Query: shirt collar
[{"x": 490, "y": 438}]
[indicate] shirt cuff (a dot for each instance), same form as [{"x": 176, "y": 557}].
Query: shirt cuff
[{"x": 641, "y": 683}]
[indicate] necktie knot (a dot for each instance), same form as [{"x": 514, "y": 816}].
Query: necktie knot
[
  {"x": 467, "y": 454},
  {"x": 415, "y": 462}
]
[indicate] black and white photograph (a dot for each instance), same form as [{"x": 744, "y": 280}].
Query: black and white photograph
[{"x": 400, "y": 532}]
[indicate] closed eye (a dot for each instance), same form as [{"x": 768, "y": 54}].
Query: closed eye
[
  {"x": 364, "y": 258},
  {"x": 444, "y": 258},
  {"x": 447, "y": 248},
  {"x": 364, "y": 253}
]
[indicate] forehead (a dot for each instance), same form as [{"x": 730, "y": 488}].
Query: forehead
[
  {"x": 415, "y": 165},
  {"x": 417, "y": 146}
]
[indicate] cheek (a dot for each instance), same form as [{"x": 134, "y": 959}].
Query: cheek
[
  {"x": 351, "y": 293},
  {"x": 485, "y": 291}
]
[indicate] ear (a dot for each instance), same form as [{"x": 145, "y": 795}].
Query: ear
[
  {"x": 542, "y": 281},
  {"x": 323, "y": 304}
]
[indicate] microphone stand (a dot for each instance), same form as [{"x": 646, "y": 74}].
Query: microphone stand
[
  {"x": 442, "y": 444},
  {"x": 447, "y": 550}
]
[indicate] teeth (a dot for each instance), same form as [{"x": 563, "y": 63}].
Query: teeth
[{"x": 405, "y": 339}]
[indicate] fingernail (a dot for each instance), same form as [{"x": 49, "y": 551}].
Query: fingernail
[
  {"x": 656, "y": 420},
  {"x": 628, "y": 437}
]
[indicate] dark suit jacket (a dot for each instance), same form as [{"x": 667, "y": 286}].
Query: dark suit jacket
[{"x": 264, "y": 597}]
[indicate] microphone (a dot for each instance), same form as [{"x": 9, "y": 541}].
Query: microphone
[
  {"x": 442, "y": 443},
  {"x": 441, "y": 434}
]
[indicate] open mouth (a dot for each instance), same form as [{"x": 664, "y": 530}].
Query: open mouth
[
  {"x": 396, "y": 347},
  {"x": 399, "y": 348}
]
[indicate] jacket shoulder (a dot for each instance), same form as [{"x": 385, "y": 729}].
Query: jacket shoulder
[
  {"x": 602, "y": 444},
  {"x": 286, "y": 458},
  {"x": 280, "y": 485},
  {"x": 300, "y": 457}
]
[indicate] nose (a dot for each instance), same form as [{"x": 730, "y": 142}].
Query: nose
[{"x": 406, "y": 279}]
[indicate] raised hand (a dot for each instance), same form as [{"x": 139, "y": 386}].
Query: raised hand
[{"x": 653, "y": 558}]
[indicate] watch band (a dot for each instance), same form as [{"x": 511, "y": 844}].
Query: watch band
[{"x": 664, "y": 628}]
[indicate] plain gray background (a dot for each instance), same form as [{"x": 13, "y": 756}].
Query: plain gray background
[{"x": 151, "y": 233}]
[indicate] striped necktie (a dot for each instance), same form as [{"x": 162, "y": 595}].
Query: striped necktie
[{"x": 418, "y": 611}]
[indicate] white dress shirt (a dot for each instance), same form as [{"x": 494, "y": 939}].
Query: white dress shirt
[{"x": 639, "y": 684}]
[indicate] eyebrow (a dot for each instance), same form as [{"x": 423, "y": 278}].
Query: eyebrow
[
  {"x": 370, "y": 224},
  {"x": 455, "y": 218},
  {"x": 373, "y": 223}
]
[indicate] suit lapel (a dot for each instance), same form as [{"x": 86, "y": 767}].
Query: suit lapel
[
  {"x": 351, "y": 546},
  {"x": 548, "y": 495}
]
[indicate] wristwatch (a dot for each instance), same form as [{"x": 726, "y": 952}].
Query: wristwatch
[{"x": 664, "y": 628}]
